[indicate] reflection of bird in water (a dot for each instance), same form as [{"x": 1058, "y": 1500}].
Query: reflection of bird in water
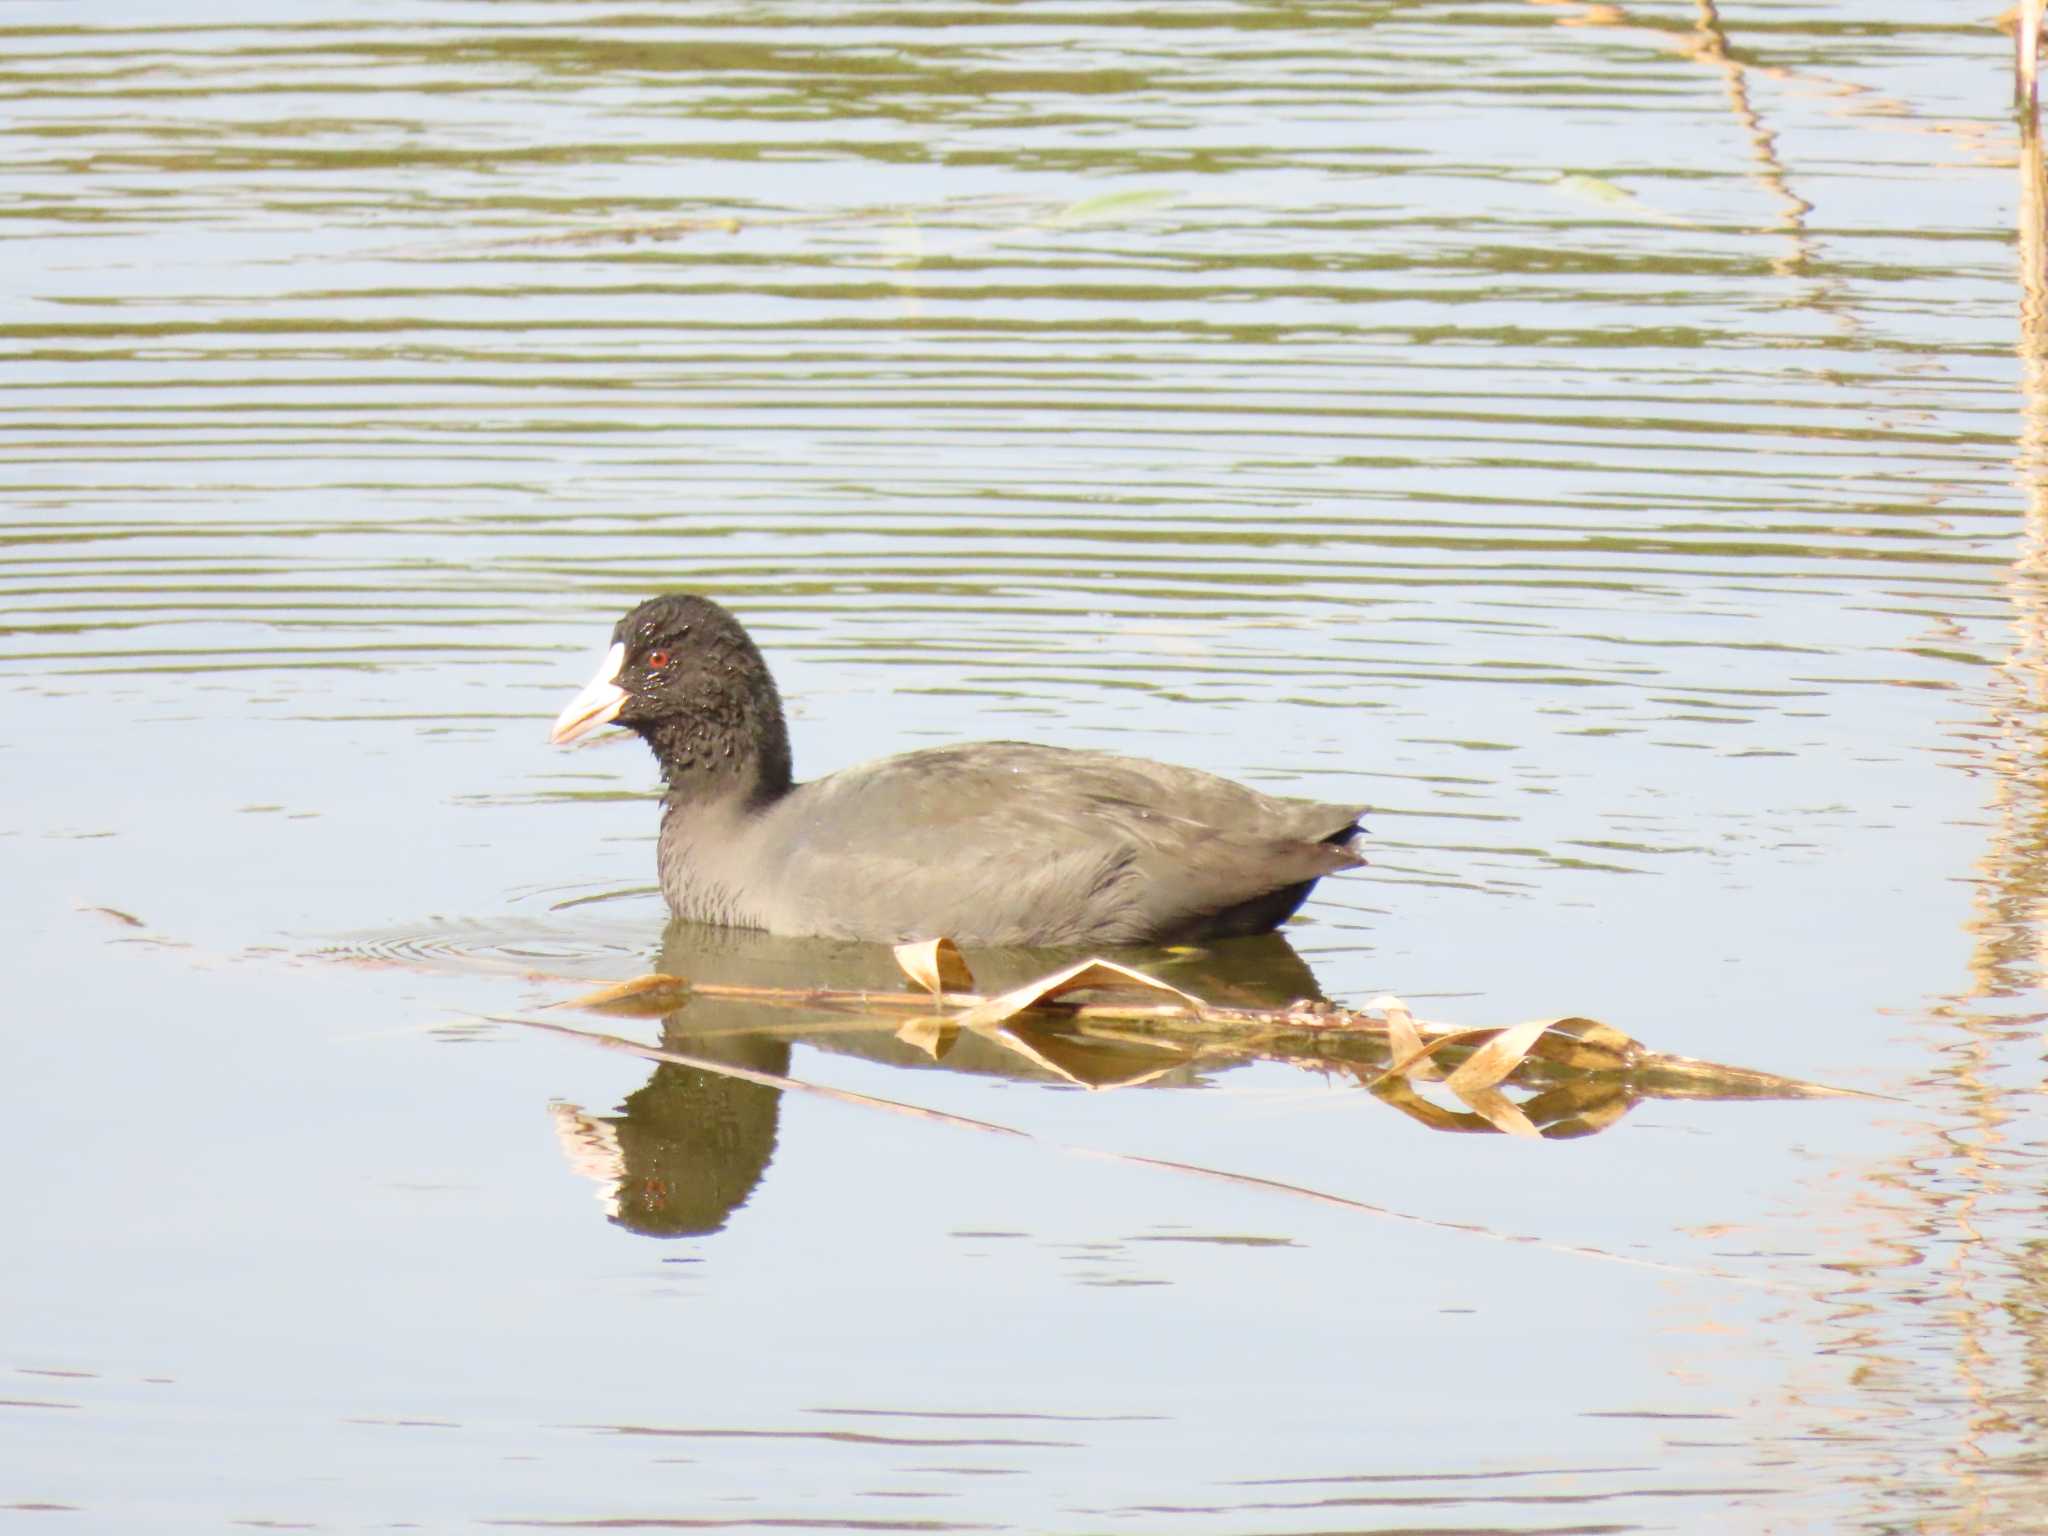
[
  {"x": 690, "y": 1145},
  {"x": 693, "y": 1144},
  {"x": 988, "y": 844}
]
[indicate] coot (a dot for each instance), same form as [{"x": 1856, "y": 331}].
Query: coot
[{"x": 994, "y": 843}]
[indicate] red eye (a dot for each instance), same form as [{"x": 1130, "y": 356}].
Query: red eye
[{"x": 656, "y": 660}]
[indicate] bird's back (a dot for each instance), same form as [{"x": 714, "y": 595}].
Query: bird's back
[{"x": 1007, "y": 843}]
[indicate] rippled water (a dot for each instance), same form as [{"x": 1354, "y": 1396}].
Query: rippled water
[{"x": 1592, "y": 435}]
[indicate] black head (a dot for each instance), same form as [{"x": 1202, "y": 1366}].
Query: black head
[{"x": 684, "y": 674}]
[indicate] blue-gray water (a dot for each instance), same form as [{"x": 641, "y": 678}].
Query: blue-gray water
[{"x": 1602, "y": 438}]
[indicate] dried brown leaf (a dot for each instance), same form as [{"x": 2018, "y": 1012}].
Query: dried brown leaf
[
  {"x": 936, "y": 965},
  {"x": 1580, "y": 1107},
  {"x": 1499, "y": 1110},
  {"x": 1077, "y": 977},
  {"x": 1090, "y": 1062},
  {"x": 653, "y": 993},
  {"x": 1404, "y": 1040},
  {"x": 1402, "y": 1066},
  {"x": 1587, "y": 1045},
  {"x": 1494, "y": 1060},
  {"x": 1401, "y": 1094},
  {"x": 934, "y": 1036}
]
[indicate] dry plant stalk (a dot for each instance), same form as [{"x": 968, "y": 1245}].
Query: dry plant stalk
[{"x": 1472, "y": 1064}]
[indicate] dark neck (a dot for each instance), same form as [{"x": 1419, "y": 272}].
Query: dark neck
[{"x": 724, "y": 749}]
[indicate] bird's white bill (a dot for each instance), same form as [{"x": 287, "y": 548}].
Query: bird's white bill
[{"x": 598, "y": 703}]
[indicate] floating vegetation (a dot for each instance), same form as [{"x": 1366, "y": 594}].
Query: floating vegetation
[{"x": 1100, "y": 1024}]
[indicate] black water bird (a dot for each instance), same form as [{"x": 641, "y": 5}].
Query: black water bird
[{"x": 994, "y": 843}]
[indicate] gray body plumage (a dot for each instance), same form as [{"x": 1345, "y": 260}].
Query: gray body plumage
[{"x": 1004, "y": 843}]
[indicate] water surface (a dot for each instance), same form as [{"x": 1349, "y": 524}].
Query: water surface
[{"x": 1587, "y": 434}]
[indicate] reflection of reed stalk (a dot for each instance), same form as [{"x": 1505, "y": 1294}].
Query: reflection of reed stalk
[
  {"x": 2013, "y": 893},
  {"x": 2033, "y": 351},
  {"x": 1971, "y": 1153},
  {"x": 2026, "y": 36},
  {"x": 1710, "y": 43}
]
